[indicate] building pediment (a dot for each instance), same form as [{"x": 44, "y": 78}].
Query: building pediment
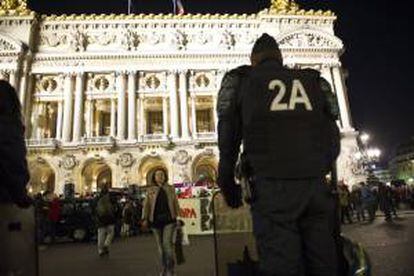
[
  {"x": 9, "y": 46},
  {"x": 309, "y": 39}
]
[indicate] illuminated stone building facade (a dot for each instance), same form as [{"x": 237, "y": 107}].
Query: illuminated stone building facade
[{"x": 108, "y": 98}]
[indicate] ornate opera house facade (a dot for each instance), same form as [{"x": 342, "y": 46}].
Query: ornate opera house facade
[{"x": 109, "y": 98}]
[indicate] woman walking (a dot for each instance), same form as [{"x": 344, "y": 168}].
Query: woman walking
[{"x": 160, "y": 212}]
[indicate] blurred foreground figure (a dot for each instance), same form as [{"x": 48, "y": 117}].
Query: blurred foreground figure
[
  {"x": 17, "y": 224},
  {"x": 14, "y": 173},
  {"x": 286, "y": 121}
]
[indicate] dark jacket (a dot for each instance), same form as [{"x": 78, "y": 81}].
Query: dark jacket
[
  {"x": 229, "y": 122},
  {"x": 108, "y": 219},
  {"x": 288, "y": 129},
  {"x": 14, "y": 173}
]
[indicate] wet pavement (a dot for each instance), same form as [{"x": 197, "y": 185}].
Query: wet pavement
[{"x": 390, "y": 245}]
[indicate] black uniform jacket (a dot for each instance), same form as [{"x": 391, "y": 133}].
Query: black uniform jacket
[
  {"x": 286, "y": 119},
  {"x": 288, "y": 131}
]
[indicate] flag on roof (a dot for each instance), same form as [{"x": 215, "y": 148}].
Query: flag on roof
[{"x": 178, "y": 7}]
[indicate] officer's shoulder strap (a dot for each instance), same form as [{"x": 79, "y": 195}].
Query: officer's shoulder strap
[{"x": 233, "y": 81}]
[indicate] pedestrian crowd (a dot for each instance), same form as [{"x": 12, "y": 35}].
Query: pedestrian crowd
[
  {"x": 363, "y": 201},
  {"x": 78, "y": 219}
]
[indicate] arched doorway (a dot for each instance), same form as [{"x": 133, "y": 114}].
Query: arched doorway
[
  {"x": 205, "y": 171},
  {"x": 95, "y": 175},
  {"x": 147, "y": 169},
  {"x": 42, "y": 178}
]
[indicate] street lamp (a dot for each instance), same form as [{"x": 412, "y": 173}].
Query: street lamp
[
  {"x": 367, "y": 156},
  {"x": 364, "y": 138}
]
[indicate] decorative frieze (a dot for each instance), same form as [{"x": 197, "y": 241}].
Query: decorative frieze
[
  {"x": 126, "y": 160},
  {"x": 68, "y": 162},
  {"x": 307, "y": 38}
]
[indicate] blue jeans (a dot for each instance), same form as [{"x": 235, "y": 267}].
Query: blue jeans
[
  {"x": 164, "y": 238},
  {"x": 293, "y": 226}
]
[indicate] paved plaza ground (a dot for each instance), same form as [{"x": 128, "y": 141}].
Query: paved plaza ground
[{"x": 391, "y": 247}]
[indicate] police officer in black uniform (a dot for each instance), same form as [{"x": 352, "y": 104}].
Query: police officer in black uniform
[{"x": 286, "y": 121}]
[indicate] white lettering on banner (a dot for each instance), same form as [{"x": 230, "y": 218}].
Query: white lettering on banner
[{"x": 298, "y": 96}]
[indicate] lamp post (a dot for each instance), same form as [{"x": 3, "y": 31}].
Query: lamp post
[{"x": 367, "y": 156}]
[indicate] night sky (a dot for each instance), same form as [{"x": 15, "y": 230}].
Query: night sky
[{"x": 378, "y": 53}]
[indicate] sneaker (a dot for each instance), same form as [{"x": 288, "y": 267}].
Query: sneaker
[{"x": 104, "y": 252}]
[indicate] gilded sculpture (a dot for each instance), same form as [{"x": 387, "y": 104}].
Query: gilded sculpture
[
  {"x": 290, "y": 7},
  {"x": 14, "y": 7}
]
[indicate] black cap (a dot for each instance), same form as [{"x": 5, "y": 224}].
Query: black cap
[{"x": 265, "y": 43}]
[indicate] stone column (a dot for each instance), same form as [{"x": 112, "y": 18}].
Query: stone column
[
  {"x": 184, "y": 105},
  {"x": 342, "y": 97},
  {"x": 89, "y": 118},
  {"x": 22, "y": 91},
  {"x": 141, "y": 116},
  {"x": 131, "y": 106},
  {"x": 59, "y": 120},
  {"x": 13, "y": 79},
  {"x": 34, "y": 120},
  {"x": 215, "y": 113},
  {"x": 220, "y": 75},
  {"x": 121, "y": 105},
  {"x": 193, "y": 115},
  {"x": 326, "y": 74},
  {"x": 27, "y": 106},
  {"x": 113, "y": 118},
  {"x": 165, "y": 115},
  {"x": 67, "y": 110},
  {"x": 41, "y": 129},
  {"x": 97, "y": 120},
  {"x": 77, "y": 118},
  {"x": 172, "y": 87}
]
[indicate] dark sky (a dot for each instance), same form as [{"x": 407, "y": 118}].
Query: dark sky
[{"x": 378, "y": 53}]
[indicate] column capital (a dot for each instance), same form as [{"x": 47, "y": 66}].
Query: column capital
[
  {"x": 335, "y": 65},
  {"x": 183, "y": 72},
  {"x": 221, "y": 71},
  {"x": 121, "y": 73},
  {"x": 173, "y": 72},
  {"x": 79, "y": 73},
  {"x": 69, "y": 74}
]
